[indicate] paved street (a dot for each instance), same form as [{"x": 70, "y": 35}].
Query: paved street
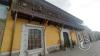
[{"x": 93, "y": 51}]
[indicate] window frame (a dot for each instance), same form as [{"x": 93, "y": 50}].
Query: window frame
[
  {"x": 24, "y": 40},
  {"x": 34, "y": 39}
]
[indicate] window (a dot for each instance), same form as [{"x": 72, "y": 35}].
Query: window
[{"x": 34, "y": 39}]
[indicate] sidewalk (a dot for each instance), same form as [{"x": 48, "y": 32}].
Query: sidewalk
[
  {"x": 59, "y": 53},
  {"x": 93, "y": 51}
]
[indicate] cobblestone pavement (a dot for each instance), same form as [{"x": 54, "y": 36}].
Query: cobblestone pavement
[{"x": 93, "y": 51}]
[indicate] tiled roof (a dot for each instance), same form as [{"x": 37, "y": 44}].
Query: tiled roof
[{"x": 46, "y": 10}]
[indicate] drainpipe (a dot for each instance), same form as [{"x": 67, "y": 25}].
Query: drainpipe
[{"x": 13, "y": 33}]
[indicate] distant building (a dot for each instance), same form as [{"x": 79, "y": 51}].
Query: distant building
[
  {"x": 88, "y": 33},
  {"x": 96, "y": 35}
]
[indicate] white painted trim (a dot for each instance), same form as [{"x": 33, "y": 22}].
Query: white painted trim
[
  {"x": 53, "y": 46},
  {"x": 46, "y": 52},
  {"x": 36, "y": 27},
  {"x": 77, "y": 37},
  {"x": 23, "y": 28},
  {"x": 31, "y": 26},
  {"x": 81, "y": 36},
  {"x": 7, "y": 53},
  {"x": 35, "y": 51},
  {"x": 62, "y": 38}
]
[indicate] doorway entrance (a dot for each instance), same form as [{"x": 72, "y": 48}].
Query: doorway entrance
[{"x": 65, "y": 38}]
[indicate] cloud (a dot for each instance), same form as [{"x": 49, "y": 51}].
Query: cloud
[
  {"x": 87, "y": 10},
  {"x": 63, "y": 4}
]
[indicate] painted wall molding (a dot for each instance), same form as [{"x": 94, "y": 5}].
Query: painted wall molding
[{"x": 7, "y": 53}]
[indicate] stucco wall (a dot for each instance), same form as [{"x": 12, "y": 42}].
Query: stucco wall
[
  {"x": 73, "y": 34},
  {"x": 7, "y": 35},
  {"x": 52, "y": 35},
  {"x": 6, "y": 44}
]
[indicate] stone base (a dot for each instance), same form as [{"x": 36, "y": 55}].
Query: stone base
[
  {"x": 53, "y": 48},
  {"x": 15, "y": 53}
]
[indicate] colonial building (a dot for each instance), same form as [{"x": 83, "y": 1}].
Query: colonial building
[{"x": 36, "y": 27}]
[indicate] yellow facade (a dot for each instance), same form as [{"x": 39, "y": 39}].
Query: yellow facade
[
  {"x": 52, "y": 34},
  {"x": 73, "y": 36},
  {"x": 7, "y": 35}
]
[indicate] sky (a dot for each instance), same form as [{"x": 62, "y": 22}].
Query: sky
[
  {"x": 86, "y": 10},
  {"x": 3, "y": 11}
]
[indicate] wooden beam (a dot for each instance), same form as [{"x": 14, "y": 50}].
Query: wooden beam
[
  {"x": 45, "y": 25},
  {"x": 13, "y": 33}
]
